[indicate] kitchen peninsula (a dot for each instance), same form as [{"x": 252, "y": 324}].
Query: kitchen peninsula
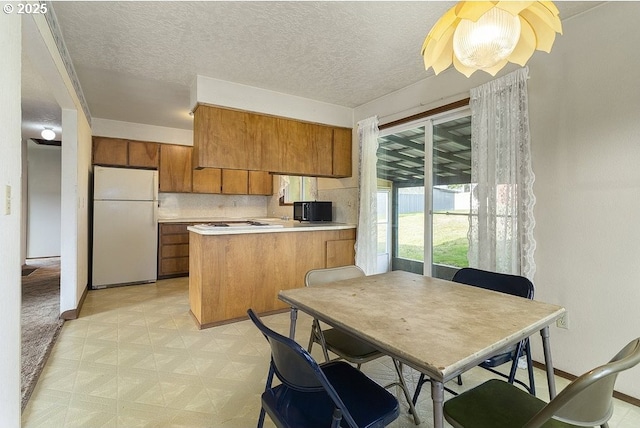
[{"x": 245, "y": 264}]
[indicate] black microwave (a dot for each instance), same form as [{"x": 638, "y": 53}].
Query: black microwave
[{"x": 312, "y": 211}]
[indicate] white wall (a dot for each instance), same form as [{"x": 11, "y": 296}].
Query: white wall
[
  {"x": 40, "y": 45},
  {"x": 142, "y": 132},
  {"x": 585, "y": 103},
  {"x": 10, "y": 175},
  {"x": 43, "y": 196},
  {"x": 234, "y": 95},
  {"x": 584, "y": 106},
  {"x": 76, "y": 170}
]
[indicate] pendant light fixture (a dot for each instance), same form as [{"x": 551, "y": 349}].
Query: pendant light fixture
[{"x": 486, "y": 35}]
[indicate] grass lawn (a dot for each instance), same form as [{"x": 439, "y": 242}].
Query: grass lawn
[{"x": 450, "y": 242}]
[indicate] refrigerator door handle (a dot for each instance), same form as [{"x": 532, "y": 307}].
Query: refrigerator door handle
[
  {"x": 154, "y": 191},
  {"x": 154, "y": 207}
]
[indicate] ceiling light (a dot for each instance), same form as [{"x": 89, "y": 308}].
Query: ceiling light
[
  {"x": 486, "y": 35},
  {"x": 48, "y": 134}
]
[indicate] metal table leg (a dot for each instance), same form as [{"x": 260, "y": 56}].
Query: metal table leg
[
  {"x": 551, "y": 380},
  {"x": 292, "y": 326},
  {"x": 437, "y": 395}
]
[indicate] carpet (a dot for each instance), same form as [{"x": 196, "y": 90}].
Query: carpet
[{"x": 41, "y": 321}]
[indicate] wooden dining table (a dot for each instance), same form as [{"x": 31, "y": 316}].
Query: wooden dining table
[{"x": 438, "y": 327}]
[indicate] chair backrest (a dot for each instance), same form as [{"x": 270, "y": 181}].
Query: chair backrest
[
  {"x": 324, "y": 276},
  {"x": 588, "y": 400},
  {"x": 502, "y": 282},
  {"x": 296, "y": 368}
]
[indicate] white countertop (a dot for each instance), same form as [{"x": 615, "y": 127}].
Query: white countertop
[
  {"x": 195, "y": 219},
  {"x": 274, "y": 225}
]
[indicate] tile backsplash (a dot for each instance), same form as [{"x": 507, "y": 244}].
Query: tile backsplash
[
  {"x": 194, "y": 206},
  {"x": 190, "y": 205},
  {"x": 345, "y": 205}
]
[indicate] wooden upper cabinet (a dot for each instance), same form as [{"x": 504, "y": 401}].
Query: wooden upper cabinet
[
  {"x": 175, "y": 173},
  {"x": 232, "y": 139},
  {"x": 128, "y": 153},
  {"x": 235, "y": 182},
  {"x": 110, "y": 151},
  {"x": 219, "y": 138},
  {"x": 322, "y": 146},
  {"x": 207, "y": 180},
  {"x": 305, "y": 148},
  {"x": 260, "y": 183},
  {"x": 294, "y": 146},
  {"x": 342, "y": 149},
  {"x": 261, "y": 142},
  {"x": 143, "y": 154}
]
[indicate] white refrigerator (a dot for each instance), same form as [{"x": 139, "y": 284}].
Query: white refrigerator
[{"x": 125, "y": 226}]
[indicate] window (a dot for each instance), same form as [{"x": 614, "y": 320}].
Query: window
[
  {"x": 298, "y": 189},
  {"x": 427, "y": 164}
]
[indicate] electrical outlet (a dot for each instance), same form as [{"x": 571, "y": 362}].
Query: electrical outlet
[{"x": 563, "y": 321}]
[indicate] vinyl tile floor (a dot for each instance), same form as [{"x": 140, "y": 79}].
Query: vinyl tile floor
[{"x": 135, "y": 358}]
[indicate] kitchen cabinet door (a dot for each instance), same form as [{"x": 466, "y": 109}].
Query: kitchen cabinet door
[
  {"x": 262, "y": 143},
  {"x": 295, "y": 146},
  {"x": 342, "y": 149},
  {"x": 207, "y": 180},
  {"x": 175, "y": 173},
  {"x": 235, "y": 182},
  {"x": 322, "y": 150},
  {"x": 110, "y": 151},
  {"x": 340, "y": 252},
  {"x": 219, "y": 138},
  {"x": 173, "y": 250},
  {"x": 143, "y": 154},
  {"x": 260, "y": 183}
]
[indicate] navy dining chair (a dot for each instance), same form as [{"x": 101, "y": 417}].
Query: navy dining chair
[
  {"x": 504, "y": 283},
  {"x": 333, "y": 394}
]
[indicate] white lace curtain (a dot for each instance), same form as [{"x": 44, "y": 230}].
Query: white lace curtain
[
  {"x": 367, "y": 232},
  {"x": 502, "y": 222}
]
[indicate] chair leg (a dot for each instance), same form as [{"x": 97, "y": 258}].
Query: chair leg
[
  {"x": 317, "y": 336},
  {"x": 336, "y": 418},
  {"x": 312, "y": 336},
  {"x": 424, "y": 379},
  {"x": 261, "y": 418},
  {"x": 405, "y": 390},
  {"x": 421, "y": 382},
  {"x": 514, "y": 363},
  {"x": 532, "y": 384}
]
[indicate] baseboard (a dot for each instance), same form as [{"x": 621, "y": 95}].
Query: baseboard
[
  {"x": 73, "y": 314},
  {"x": 565, "y": 375}
]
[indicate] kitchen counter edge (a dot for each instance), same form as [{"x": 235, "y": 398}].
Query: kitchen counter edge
[{"x": 286, "y": 228}]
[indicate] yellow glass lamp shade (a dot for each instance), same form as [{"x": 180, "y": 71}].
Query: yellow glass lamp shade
[{"x": 486, "y": 35}]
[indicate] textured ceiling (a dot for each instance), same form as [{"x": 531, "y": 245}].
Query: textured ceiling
[
  {"x": 137, "y": 60},
  {"x": 39, "y": 107}
]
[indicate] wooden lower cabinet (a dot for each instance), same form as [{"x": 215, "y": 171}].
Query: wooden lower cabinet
[
  {"x": 339, "y": 251},
  {"x": 173, "y": 250},
  {"x": 232, "y": 273}
]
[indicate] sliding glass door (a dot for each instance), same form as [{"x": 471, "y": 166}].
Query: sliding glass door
[{"x": 425, "y": 168}]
